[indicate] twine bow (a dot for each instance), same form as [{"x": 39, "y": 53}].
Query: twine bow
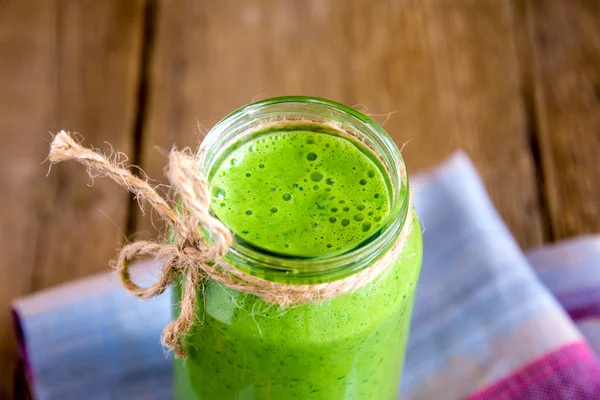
[
  {"x": 191, "y": 255},
  {"x": 202, "y": 241}
]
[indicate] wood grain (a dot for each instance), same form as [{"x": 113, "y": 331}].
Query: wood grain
[
  {"x": 566, "y": 60},
  {"x": 448, "y": 70},
  {"x": 71, "y": 65}
]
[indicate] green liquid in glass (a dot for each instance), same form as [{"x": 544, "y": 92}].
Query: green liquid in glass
[{"x": 302, "y": 194}]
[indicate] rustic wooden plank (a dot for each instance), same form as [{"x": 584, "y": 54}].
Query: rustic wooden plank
[
  {"x": 72, "y": 65},
  {"x": 565, "y": 41},
  {"x": 448, "y": 70}
]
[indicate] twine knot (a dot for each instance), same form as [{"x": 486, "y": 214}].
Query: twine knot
[
  {"x": 202, "y": 241},
  {"x": 201, "y": 238}
]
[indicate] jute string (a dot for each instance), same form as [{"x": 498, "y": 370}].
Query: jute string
[{"x": 192, "y": 256}]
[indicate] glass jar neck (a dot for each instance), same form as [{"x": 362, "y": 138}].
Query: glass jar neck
[{"x": 321, "y": 116}]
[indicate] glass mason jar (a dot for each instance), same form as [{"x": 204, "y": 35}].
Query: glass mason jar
[{"x": 348, "y": 347}]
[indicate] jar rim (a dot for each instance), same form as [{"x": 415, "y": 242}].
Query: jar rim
[{"x": 348, "y": 122}]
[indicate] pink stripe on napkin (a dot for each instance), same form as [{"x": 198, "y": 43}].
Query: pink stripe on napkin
[{"x": 570, "y": 372}]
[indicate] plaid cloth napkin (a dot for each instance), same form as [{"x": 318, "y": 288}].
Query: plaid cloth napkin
[{"x": 489, "y": 322}]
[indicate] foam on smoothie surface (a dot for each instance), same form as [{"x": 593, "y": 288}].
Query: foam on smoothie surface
[{"x": 300, "y": 193}]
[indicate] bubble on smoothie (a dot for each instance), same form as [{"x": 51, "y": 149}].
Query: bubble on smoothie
[
  {"x": 329, "y": 245},
  {"x": 330, "y": 181},
  {"x": 361, "y": 207},
  {"x": 311, "y": 156},
  {"x": 274, "y": 210},
  {"x": 234, "y": 161},
  {"x": 261, "y": 166},
  {"x": 316, "y": 176},
  {"x": 345, "y": 222},
  {"x": 376, "y": 195},
  {"x": 377, "y": 218},
  {"x": 366, "y": 226},
  {"x": 248, "y": 174},
  {"x": 287, "y": 197},
  {"x": 346, "y": 209},
  {"x": 295, "y": 185},
  {"x": 249, "y": 212},
  {"x": 334, "y": 209},
  {"x": 316, "y": 187},
  {"x": 363, "y": 182},
  {"x": 273, "y": 188},
  {"x": 315, "y": 225},
  {"x": 342, "y": 201},
  {"x": 359, "y": 217},
  {"x": 219, "y": 193},
  {"x": 370, "y": 213},
  {"x": 332, "y": 219},
  {"x": 222, "y": 205},
  {"x": 371, "y": 174},
  {"x": 310, "y": 140}
]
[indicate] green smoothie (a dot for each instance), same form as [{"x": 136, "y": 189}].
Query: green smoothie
[{"x": 302, "y": 194}]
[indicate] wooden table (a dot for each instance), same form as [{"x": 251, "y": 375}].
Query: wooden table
[{"x": 514, "y": 83}]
